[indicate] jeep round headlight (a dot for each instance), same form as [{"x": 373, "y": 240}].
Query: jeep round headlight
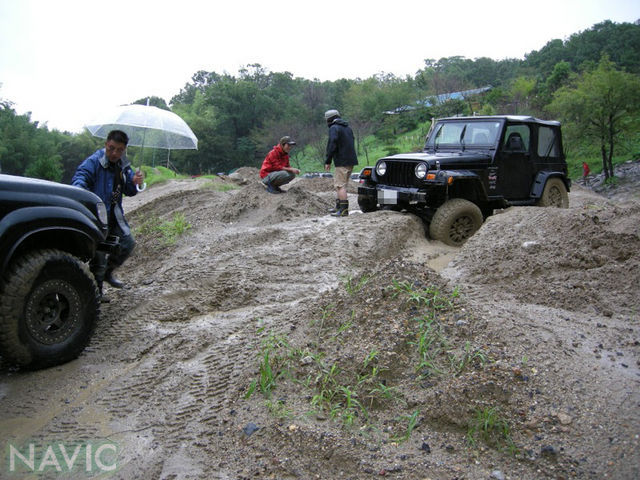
[
  {"x": 381, "y": 168},
  {"x": 421, "y": 170},
  {"x": 102, "y": 213}
]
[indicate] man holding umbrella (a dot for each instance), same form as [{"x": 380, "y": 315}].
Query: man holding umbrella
[{"x": 108, "y": 174}]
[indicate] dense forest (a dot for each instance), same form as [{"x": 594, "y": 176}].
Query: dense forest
[{"x": 589, "y": 81}]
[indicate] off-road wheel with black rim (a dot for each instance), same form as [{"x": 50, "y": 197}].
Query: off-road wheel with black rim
[
  {"x": 48, "y": 309},
  {"x": 366, "y": 204},
  {"x": 455, "y": 221},
  {"x": 554, "y": 194}
]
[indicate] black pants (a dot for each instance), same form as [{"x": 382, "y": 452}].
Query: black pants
[{"x": 103, "y": 262}]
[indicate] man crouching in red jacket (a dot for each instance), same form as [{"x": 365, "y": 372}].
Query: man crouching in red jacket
[{"x": 276, "y": 170}]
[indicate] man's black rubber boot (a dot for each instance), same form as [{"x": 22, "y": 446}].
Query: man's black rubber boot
[
  {"x": 335, "y": 209},
  {"x": 113, "y": 281},
  {"x": 343, "y": 209}
]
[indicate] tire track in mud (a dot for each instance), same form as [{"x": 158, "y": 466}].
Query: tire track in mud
[
  {"x": 172, "y": 355},
  {"x": 190, "y": 338}
]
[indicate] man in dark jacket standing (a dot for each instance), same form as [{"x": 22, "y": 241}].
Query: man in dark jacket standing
[
  {"x": 341, "y": 149},
  {"x": 108, "y": 174}
]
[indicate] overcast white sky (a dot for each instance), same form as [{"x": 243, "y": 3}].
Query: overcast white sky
[{"x": 66, "y": 60}]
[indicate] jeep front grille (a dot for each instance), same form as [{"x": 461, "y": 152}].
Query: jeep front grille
[{"x": 399, "y": 174}]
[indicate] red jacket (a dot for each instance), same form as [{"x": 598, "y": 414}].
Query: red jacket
[
  {"x": 277, "y": 159},
  {"x": 585, "y": 169}
]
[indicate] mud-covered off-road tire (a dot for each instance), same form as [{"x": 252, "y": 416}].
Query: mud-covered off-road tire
[
  {"x": 48, "y": 309},
  {"x": 554, "y": 194},
  {"x": 455, "y": 222},
  {"x": 366, "y": 204}
]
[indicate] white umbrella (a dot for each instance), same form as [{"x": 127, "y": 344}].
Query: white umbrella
[{"x": 146, "y": 126}]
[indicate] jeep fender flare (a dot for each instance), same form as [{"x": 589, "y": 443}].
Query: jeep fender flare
[
  {"x": 23, "y": 224},
  {"x": 473, "y": 190},
  {"x": 541, "y": 181}
]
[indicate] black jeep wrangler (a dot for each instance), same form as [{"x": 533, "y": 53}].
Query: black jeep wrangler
[
  {"x": 470, "y": 166},
  {"x": 49, "y": 299}
]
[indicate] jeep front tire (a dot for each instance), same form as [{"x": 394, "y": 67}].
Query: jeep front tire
[
  {"x": 455, "y": 221},
  {"x": 366, "y": 204},
  {"x": 48, "y": 309}
]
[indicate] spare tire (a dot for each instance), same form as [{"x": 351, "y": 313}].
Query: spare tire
[
  {"x": 455, "y": 221},
  {"x": 49, "y": 306}
]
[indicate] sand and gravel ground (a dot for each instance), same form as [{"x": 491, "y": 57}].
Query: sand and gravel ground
[{"x": 385, "y": 347}]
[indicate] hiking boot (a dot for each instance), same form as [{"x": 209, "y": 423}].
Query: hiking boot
[
  {"x": 335, "y": 209},
  {"x": 343, "y": 209},
  {"x": 113, "y": 281},
  {"x": 270, "y": 188}
]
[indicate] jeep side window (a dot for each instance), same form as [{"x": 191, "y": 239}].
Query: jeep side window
[
  {"x": 547, "y": 143},
  {"x": 516, "y": 138}
]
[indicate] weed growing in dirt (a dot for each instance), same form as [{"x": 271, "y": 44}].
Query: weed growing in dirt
[
  {"x": 459, "y": 363},
  {"x": 436, "y": 351},
  {"x": 492, "y": 429},
  {"x": 353, "y": 285},
  {"x": 412, "y": 422},
  {"x": 355, "y": 391},
  {"x": 327, "y": 313},
  {"x": 167, "y": 231},
  {"x": 274, "y": 359},
  {"x": 430, "y": 342},
  {"x": 345, "y": 326},
  {"x": 342, "y": 392},
  {"x": 278, "y": 409},
  {"x": 428, "y": 296}
]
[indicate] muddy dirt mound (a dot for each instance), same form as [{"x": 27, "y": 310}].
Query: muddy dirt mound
[
  {"x": 321, "y": 184},
  {"x": 270, "y": 340},
  {"x": 253, "y": 205},
  {"x": 390, "y": 347},
  {"x": 571, "y": 259}
]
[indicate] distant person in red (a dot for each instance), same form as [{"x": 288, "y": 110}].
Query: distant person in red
[
  {"x": 276, "y": 170},
  {"x": 585, "y": 173}
]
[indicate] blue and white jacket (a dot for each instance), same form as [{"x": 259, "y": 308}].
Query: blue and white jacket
[{"x": 94, "y": 174}]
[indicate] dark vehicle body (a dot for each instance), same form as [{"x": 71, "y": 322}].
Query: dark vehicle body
[
  {"x": 49, "y": 233},
  {"x": 469, "y": 167}
]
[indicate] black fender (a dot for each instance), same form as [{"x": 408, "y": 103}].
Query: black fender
[
  {"x": 541, "y": 180},
  {"x": 73, "y": 231},
  {"x": 466, "y": 184}
]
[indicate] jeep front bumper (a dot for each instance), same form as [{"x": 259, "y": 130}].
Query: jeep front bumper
[{"x": 387, "y": 195}]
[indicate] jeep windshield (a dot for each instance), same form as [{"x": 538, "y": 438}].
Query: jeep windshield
[{"x": 463, "y": 135}]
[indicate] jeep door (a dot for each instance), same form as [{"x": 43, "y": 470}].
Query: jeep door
[{"x": 515, "y": 166}]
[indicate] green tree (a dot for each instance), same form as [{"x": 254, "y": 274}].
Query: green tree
[
  {"x": 521, "y": 92},
  {"x": 603, "y": 104},
  {"x": 47, "y": 168}
]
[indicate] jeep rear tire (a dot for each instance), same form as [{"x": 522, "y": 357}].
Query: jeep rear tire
[
  {"x": 554, "y": 194},
  {"x": 366, "y": 204},
  {"x": 48, "y": 309},
  {"x": 455, "y": 221}
]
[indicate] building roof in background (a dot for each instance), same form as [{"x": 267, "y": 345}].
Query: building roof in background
[{"x": 439, "y": 99}]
